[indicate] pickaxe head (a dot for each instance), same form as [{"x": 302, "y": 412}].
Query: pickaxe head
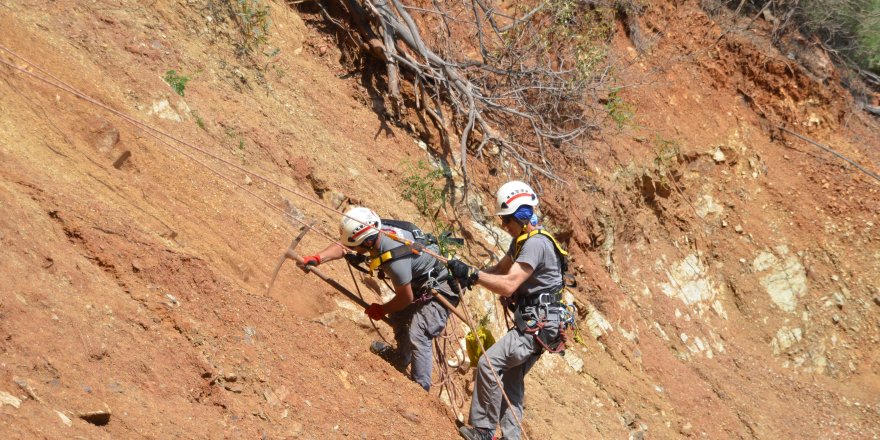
[{"x": 290, "y": 253}]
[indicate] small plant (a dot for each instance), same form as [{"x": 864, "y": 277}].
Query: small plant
[
  {"x": 253, "y": 22},
  {"x": 619, "y": 110},
  {"x": 177, "y": 82},
  {"x": 240, "y": 151},
  {"x": 422, "y": 186},
  {"x": 199, "y": 121}
]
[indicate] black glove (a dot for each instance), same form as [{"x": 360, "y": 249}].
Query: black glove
[
  {"x": 465, "y": 275},
  {"x": 355, "y": 259}
]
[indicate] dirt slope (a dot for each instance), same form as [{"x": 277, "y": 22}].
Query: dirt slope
[{"x": 728, "y": 271}]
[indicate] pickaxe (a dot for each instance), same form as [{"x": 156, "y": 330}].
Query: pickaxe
[{"x": 292, "y": 255}]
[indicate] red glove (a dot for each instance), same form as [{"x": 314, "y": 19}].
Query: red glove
[
  {"x": 376, "y": 312},
  {"x": 312, "y": 260}
]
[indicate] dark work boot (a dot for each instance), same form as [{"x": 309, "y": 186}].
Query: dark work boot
[
  {"x": 474, "y": 433},
  {"x": 389, "y": 354}
]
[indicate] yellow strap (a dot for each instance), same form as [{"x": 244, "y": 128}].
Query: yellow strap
[
  {"x": 398, "y": 252},
  {"x": 376, "y": 262},
  {"x": 520, "y": 241}
]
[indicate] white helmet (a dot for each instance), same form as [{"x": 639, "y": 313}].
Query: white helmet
[
  {"x": 512, "y": 195},
  {"x": 356, "y": 226}
]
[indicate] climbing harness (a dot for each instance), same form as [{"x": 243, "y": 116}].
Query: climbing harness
[{"x": 533, "y": 314}]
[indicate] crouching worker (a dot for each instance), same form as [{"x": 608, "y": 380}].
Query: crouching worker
[
  {"x": 415, "y": 315},
  {"x": 530, "y": 280}
]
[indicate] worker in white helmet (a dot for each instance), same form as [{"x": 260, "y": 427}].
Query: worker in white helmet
[
  {"x": 530, "y": 279},
  {"x": 416, "y": 316}
]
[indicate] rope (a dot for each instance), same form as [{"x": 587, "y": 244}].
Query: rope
[
  {"x": 156, "y": 134},
  {"x": 494, "y": 374},
  {"x": 828, "y": 149},
  {"x": 450, "y": 333},
  {"x": 357, "y": 286},
  {"x": 161, "y": 136}
]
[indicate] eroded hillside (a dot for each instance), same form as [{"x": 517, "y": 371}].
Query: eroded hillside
[{"x": 728, "y": 271}]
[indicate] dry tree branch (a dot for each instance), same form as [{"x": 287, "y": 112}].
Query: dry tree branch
[{"x": 537, "y": 82}]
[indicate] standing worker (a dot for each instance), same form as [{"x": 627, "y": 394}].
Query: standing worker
[
  {"x": 415, "y": 315},
  {"x": 530, "y": 279}
]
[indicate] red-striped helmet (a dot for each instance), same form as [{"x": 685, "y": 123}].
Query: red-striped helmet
[
  {"x": 359, "y": 224},
  {"x": 512, "y": 195}
]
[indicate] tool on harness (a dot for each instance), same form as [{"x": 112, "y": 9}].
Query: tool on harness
[
  {"x": 428, "y": 283},
  {"x": 533, "y": 314}
]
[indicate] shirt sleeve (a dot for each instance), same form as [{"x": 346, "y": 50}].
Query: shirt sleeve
[
  {"x": 532, "y": 253},
  {"x": 399, "y": 270}
]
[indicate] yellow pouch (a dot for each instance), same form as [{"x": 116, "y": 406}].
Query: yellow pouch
[{"x": 473, "y": 347}]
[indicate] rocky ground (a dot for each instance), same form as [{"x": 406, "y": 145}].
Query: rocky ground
[{"x": 728, "y": 271}]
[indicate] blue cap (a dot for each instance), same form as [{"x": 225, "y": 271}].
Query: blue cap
[{"x": 524, "y": 214}]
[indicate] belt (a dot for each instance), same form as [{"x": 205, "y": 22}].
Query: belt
[{"x": 550, "y": 296}]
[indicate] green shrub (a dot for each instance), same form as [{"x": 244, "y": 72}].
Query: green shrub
[
  {"x": 620, "y": 111},
  {"x": 253, "y": 22},
  {"x": 868, "y": 32},
  {"x": 850, "y": 27},
  {"x": 177, "y": 82},
  {"x": 423, "y": 186}
]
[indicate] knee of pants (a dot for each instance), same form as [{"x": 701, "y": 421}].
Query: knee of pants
[{"x": 483, "y": 364}]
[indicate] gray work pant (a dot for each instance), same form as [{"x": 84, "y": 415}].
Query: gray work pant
[
  {"x": 415, "y": 327},
  {"x": 511, "y": 358}
]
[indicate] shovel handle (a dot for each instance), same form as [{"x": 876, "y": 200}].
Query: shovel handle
[{"x": 442, "y": 299}]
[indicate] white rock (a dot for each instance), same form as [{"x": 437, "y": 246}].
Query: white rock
[
  {"x": 707, "y": 205},
  {"x": 718, "y": 156},
  {"x": 574, "y": 361},
  {"x": 64, "y": 418},
  {"x": 164, "y": 110},
  {"x": 786, "y": 279},
  {"x": 493, "y": 234},
  {"x": 9, "y": 399},
  {"x": 785, "y": 338},
  {"x": 689, "y": 281},
  {"x": 597, "y": 323}
]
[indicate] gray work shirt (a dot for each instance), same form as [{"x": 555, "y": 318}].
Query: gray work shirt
[
  {"x": 404, "y": 270},
  {"x": 540, "y": 254}
]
